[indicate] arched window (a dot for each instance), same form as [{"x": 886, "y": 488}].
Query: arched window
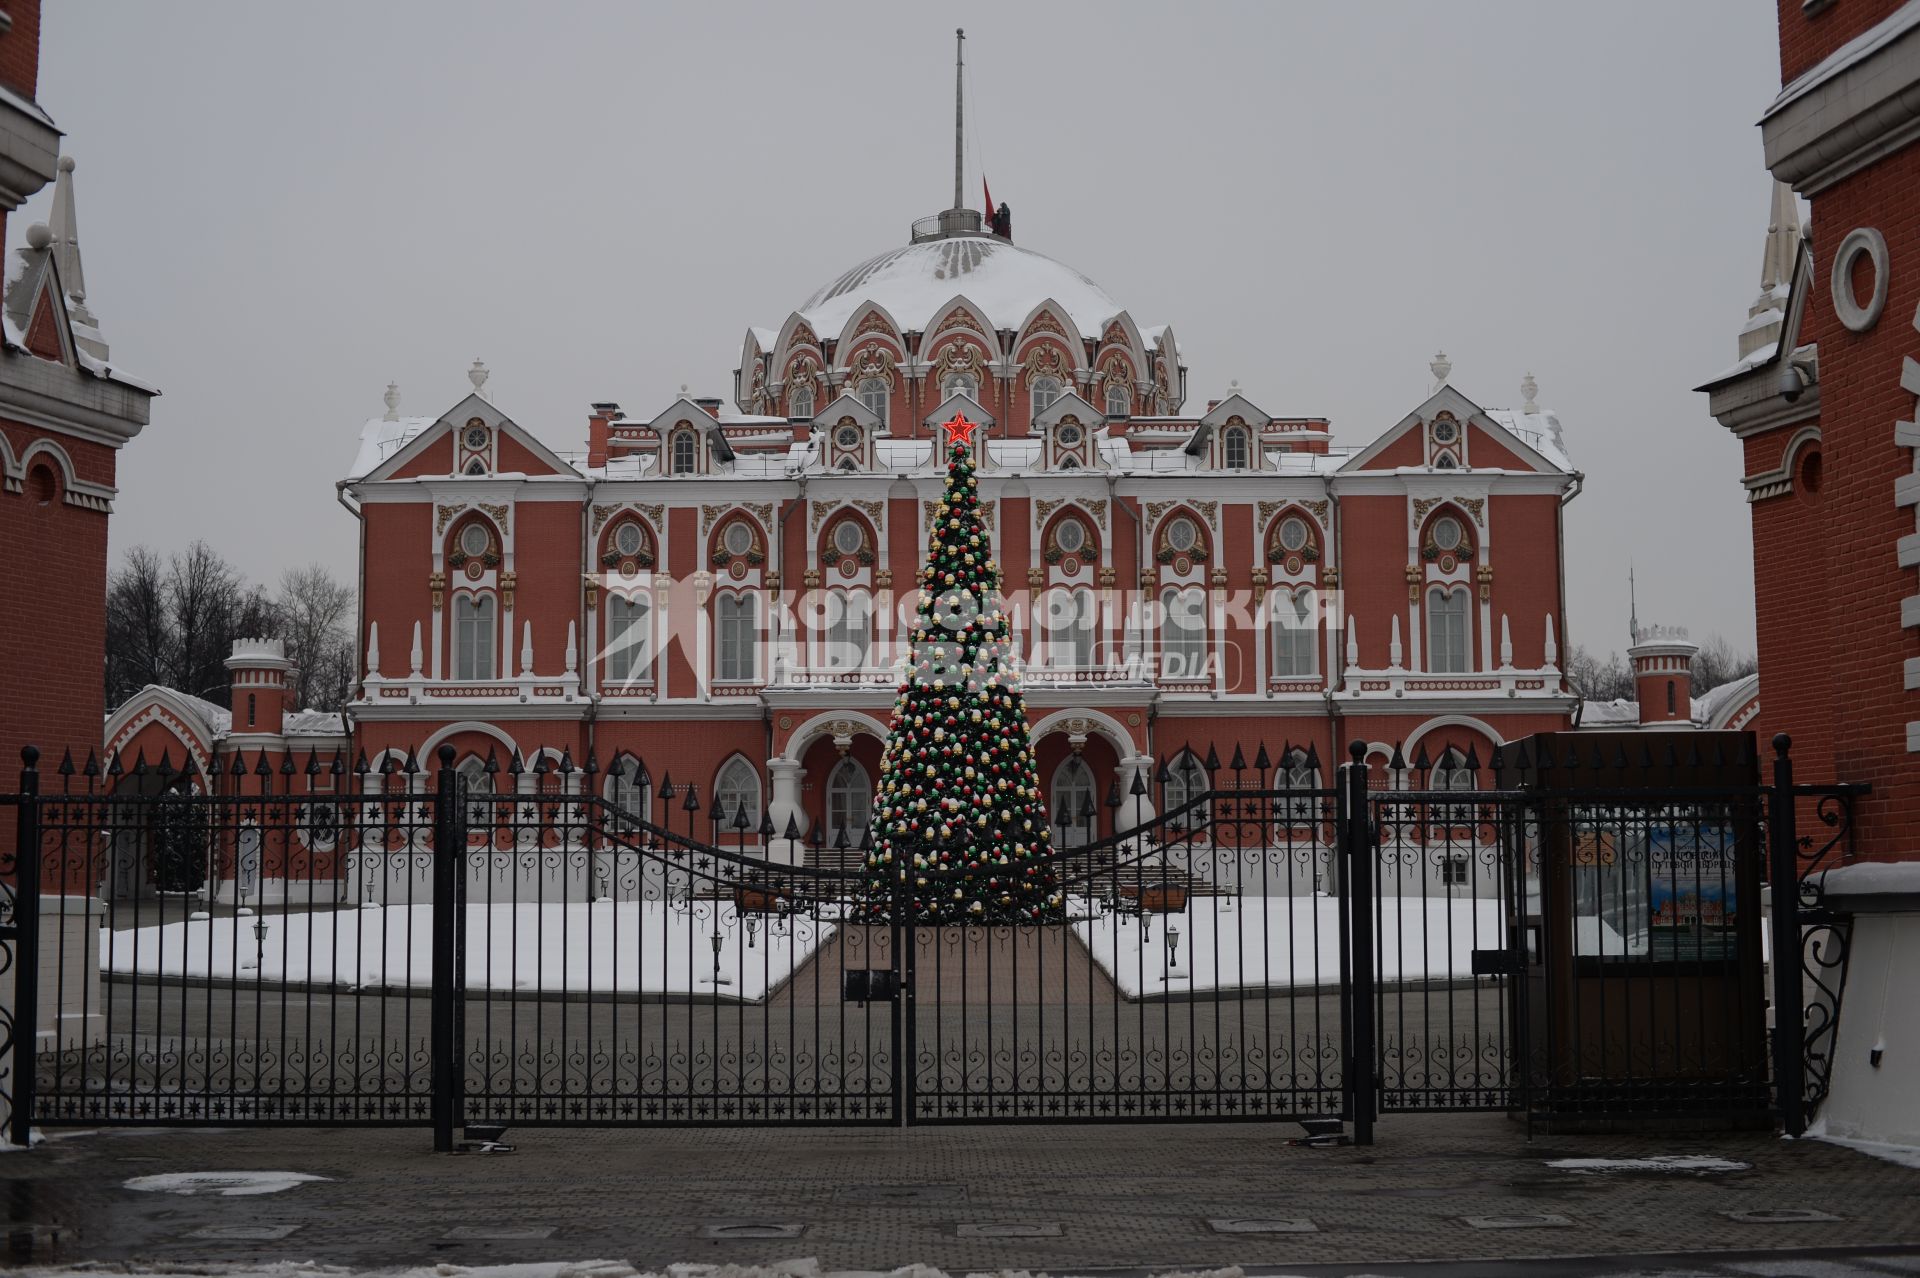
[
  {"x": 737, "y": 637},
  {"x": 738, "y": 787},
  {"x": 1296, "y": 633},
  {"x": 1233, "y": 448},
  {"x": 875, "y": 393},
  {"x": 1452, "y": 774},
  {"x": 630, "y": 794},
  {"x": 1044, "y": 391},
  {"x": 629, "y": 639},
  {"x": 849, "y": 802},
  {"x": 476, "y": 792},
  {"x": 1183, "y": 637},
  {"x": 685, "y": 453},
  {"x": 473, "y": 637},
  {"x": 1447, "y": 630},
  {"x": 1296, "y": 776},
  {"x": 1119, "y": 402},
  {"x": 1071, "y": 805},
  {"x": 849, "y": 626},
  {"x": 800, "y": 401},
  {"x": 961, "y": 384},
  {"x": 1070, "y": 627},
  {"x": 1186, "y": 781}
]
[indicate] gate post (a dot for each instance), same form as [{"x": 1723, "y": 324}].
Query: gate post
[
  {"x": 1789, "y": 1014},
  {"x": 445, "y": 1051},
  {"x": 26, "y": 949},
  {"x": 1362, "y": 1080}
]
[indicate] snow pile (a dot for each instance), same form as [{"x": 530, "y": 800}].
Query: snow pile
[
  {"x": 1676, "y": 1164},
  {"x": 1905, "y": 1155},
  {"x": 647, "y": 947},
  {"x": 1284, "y": 942},
  {"x": 237, "y": 1184}
]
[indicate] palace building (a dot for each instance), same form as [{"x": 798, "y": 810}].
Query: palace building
[{"x": 718, "y": 594}]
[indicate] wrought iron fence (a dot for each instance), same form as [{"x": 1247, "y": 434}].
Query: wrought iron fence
[{"x": 405, "y": 944}]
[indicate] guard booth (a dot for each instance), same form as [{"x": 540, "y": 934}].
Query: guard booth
[{"x": 1638, "y": 929}]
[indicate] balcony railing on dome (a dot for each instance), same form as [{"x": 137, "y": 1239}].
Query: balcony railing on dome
[{"x": 945, "y": 225}]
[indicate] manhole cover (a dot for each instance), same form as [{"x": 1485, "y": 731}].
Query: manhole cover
[
  {"x": 901, "y": 1194},
  {"x": 1261, "y": 1225},
  {"x": 749, "y": 1229},
  {"x": 1779, "y": 1216},
  {"x": 224, "y": 1184},
  {"x": 1524, "y": 1220},
  {"x": 244, "y": 1233},
  {"x": 496, "y": 1233},
  {"x": 1009, "y": 1229}
]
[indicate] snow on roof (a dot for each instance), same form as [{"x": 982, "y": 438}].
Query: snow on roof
[
  {"x": 1714, "y": 704},
  {"x": 1539, "y": 431},
  {"x": 381, "y": 439},
  {"x": 1620, "y": 710},
  {"x": 26, "y": 106},
  {"x": 749, "y": 419},
  {"x": 1853, "y": 51},
  {"x": 765, "y": 336},
  {"x": 1002, "y": 279},
  {"x": 1759, "y": 356},
  {"x": 315, "y": 723}
]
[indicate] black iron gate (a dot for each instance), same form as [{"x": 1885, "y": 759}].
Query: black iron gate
[{"x": 408, "y": 945}]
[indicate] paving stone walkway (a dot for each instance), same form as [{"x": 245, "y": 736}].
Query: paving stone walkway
[{"x": 1061, "y": 1199}]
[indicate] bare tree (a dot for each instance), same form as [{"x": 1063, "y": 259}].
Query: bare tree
[
  {"x": 316, "y": 619},
  {"x": 1718, "y": 662},
  {"x": 139, "y": 631},
  {"x": 1597, "y": 679}
]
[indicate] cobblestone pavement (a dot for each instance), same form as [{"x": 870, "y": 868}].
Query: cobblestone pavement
[{"x": 1055, "y": 1198}]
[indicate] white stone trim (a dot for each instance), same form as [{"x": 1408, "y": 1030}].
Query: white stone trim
[{"x": 1868, "y": 240}]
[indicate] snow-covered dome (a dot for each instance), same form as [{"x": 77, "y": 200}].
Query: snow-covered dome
[{"x": 1003, "y": 279}]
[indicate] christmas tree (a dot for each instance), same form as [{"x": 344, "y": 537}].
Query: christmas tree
[{"x": 960, "y": 828}]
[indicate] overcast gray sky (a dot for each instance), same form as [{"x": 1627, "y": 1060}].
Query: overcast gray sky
[{"x": 284, "y": 206}]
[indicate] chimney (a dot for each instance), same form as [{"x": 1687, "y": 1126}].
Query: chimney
[
  {"x": 259, "y": 686},
  {"x": 1662, "y": 659},
  {"x": 710, "y": 404},
  {"x": 603, "y": 416}
]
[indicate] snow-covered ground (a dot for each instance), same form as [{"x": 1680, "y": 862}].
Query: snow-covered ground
[
  {"x": 1281, "y": 942},
  {"x": 806, "y": 1268},
  {"x": 636, "y": 948}
]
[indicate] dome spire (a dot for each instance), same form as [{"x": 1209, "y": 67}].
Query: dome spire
[{"x": 959, "y": 65}]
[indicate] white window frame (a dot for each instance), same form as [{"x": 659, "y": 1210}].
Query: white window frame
[
  {"x": 629, "y": 661},
  {"x": 1296, "y": 634},
  {"x": 961, "y": 384},
  {"x": 849, "y": 631},
  {"x": 627, "y": 796},
  {"x": 1229, "y": 437},
  {"x": 736, "y": 625},
  {"x": 1187, "y": 778},
  {"x": 1072, "y": 780},
  {"x": 1053, "y": 390},
  {"x": 1125, "y": 398},
  {"x": 1183, "y": 648},
  {"x": 849, "y": 795},
  {"x": 476, "y": 622},
  {"x": 1072, "y": 627},
  {"x": 877, "y": 396},
  {"x": 1449, "y": 630},
  {"x": 692, "y": 457},
  {"x": 736, "y": 782},
  {"x": 800, "y": 402}
]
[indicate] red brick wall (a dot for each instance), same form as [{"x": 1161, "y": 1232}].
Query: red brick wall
[
  {"x": 1806, "y": 39},
  {"x": 1860, "y": 400},
  {"x": 1790, "y": 588},
  {"x": 20, "y": 47},
  {"x": 56, "y": 574}
]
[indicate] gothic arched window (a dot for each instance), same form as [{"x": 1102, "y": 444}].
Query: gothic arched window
[
  {"x": 874, "y": 393},
  {"x": 800, "y": 402},
  {"x": 1119, "y": 402},
  {"x": 1233, "y": 448},
  {"x": 1044, "y": 390},
  {"x": 737, "y": 788},
  {"x": 1072, "y": 803},
  {"x": 685, "y": 453},
  {"x": 849, "y": 802},
  {"x": 1447, "y": 630}
]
